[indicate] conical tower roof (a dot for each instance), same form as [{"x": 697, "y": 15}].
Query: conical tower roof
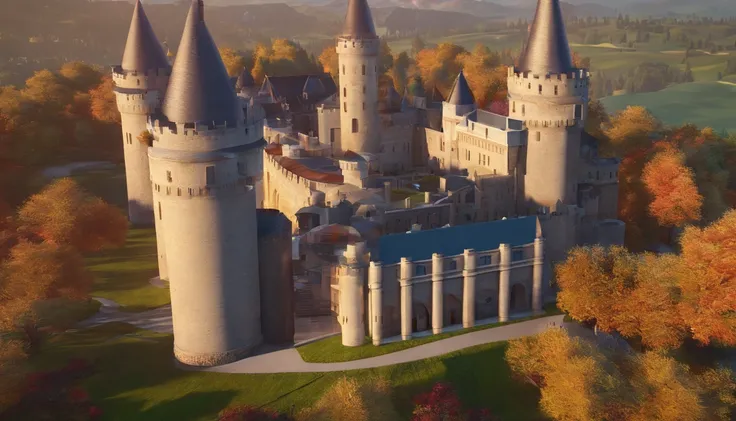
[
  {"x": 461, "y": 93},
  {"x": 143, "y": 52},
  {"x": 245, "y": 80},
  {"x": 358, "y": 21},
  {"x": 199, "y": 89},
  {"x": 436, "y": 95},
  {"x": 547, "y": 50}
]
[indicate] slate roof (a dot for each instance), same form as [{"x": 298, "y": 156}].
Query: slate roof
[
  {"x": 245, "y": 80},
  {"x": 461, "y": 93},
  {"x": 358, "y": 21},
  {"x": 200, "y": 89},
  {"x": 143, "y": 51},
  {"x": 436, "y": 95},
  {"x": 547, "y": 50},
  {"x": 451, "y": 241},
  {"x": 291, "y": 89}
]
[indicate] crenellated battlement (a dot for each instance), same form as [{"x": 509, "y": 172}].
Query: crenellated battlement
[
  {"x": 551, "y": 123},
  {"x": 137, "y": 102},
  {"x": 153, "y": 79},
  {"x": 195, "y": 136},
  {"x": 575, "y": 84},
  {"x": 358, "y": 46}
]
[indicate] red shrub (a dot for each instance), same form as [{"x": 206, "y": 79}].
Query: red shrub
[{"x": 442, "y": 404}]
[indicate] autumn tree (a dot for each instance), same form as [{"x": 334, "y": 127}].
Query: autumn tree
[
  {"x": 234, "y": 62},
  {"x": 64, "y": 214},
  {"x": 708, "y": 281},
  {"x": 439, "y": 66},
  {"x": 282, "y": 58},
  {"x": 47, "y": 89},
  {"x": 648, "y": 308},
  {"x": 329, "y": 61},
  {"x": 80, "y": 76},
  {"x": 485, "y": 75},
  {"x": 675, "y": 197},
  {"x": 348, "y": 399},
  {"x": 591, "y": 279},
  {"x": 12, "y": 377},
  {"x": 628, "y": 130},
  {"x": 103, "y": 105}
]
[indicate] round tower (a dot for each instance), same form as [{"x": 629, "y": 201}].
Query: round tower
[
  {"x": 357, "y": 50},
  {"x": 140, "y": 85},
  {"x": 204, "y": 206},
  {"x": 550, "y": 95},
  {"x": 351, "y": 274}
]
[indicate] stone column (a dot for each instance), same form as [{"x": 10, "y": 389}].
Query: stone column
[
  {"x": 376, "y": 288},
  {"x": 437, "y": 292},
  {"x": 503, "y": 282},
  {"x": 537, "y": 277},
  {"x": 351, "y": 298},
  {"x": 469, "y": 288},
  {"x": 406, "y": 298}
]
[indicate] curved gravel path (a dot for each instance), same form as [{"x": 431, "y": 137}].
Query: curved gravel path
[{"x": 289, "y": 360}]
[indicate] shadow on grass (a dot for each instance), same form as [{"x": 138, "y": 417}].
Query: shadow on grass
[
  {"x": 482, "y": 379},
  {"x": 193, "y": 406}
]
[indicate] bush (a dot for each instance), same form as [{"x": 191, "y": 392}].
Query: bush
[{"x": 442, "y": 404}]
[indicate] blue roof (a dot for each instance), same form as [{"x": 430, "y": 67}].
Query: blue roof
[{"x": 452, "y": 241}]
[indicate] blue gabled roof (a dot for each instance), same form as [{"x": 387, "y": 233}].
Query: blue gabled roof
[{"x": 452, "y": 241}]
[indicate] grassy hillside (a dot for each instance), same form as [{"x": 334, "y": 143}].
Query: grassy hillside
[{"x": 705, "y": 104}]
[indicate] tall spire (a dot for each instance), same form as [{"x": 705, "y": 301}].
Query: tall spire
[
  {"x": 547, "y": 50},
  {"x": 199, "y": 88},
  {"x": 358, "y": 21},
  {"x": 143, "y": 52},
  {"x": 461, "y": 93}
]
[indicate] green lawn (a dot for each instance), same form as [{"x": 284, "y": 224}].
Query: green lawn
[
  {"x": 331, "y": 350},
  {"x": 123, "y": 274},
  {"x": 707, "y": 104},
  {"x": 136, "y": 379}
]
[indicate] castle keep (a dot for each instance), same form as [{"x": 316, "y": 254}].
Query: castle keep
[{"x": 351, "y": 167}]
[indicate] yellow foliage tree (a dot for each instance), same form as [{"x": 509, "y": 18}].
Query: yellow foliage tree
[
  {"x": 46, "y": 88},
  {"x": 103, "y": 105},
  {"x": 63, "y": 213},
  {"x": 348, "y": 399},
  {"x": 485, "y": 75},
  {"x": 648, "y": 310},
  {"x": 676, "y": 200},
  {"x": 81, "y": 76},
  {"x": 708, "y": 280},
  {"x": 234, "y": 62},
  {"x": 329, "y": 61},
  {"x": 439, "y": 66},
  {"x": 593, "y": 278},
  {"x": 629, "y": 130}
]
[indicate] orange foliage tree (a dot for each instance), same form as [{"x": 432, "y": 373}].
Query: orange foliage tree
[
  {"x": 675, "y": 197},
  {"x": 63, "y": 213},
  {"x": 328, "y": 60},
  {"x": 103, "y": 105},
  {"x": 438, "y": 66},
  {"x": 485, "y": 74},
  {"x": 708, "y": 280}
]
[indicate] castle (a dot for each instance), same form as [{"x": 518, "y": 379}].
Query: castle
[{"x": 203, "y": 152}]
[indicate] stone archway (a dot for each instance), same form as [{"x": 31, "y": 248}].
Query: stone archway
[
  {"x": 486, "y": 304},
  {"x": 453, "y": 311},
  {"x": 518, "y": 299},
  {"x": 420, "y": 318}
]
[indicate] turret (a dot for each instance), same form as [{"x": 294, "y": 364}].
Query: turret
[
  {"x": 550, "y": 96},
  {"x": 140, "y": 83},
  {"x": 205, "y": 210},
  {"x": 460, "y": 102},
  {"x": 357, "y": 49}
]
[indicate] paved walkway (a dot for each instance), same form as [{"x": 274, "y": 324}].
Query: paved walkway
[
  {"x": 66, "y": 170},
  {"x": 157, "y": 320},
  {"x": 289, "y": 360}
]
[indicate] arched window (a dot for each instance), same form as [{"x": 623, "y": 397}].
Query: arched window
[
  {"x": 555, "y": 89},
  {"x": 345, "y": 106},
  {"x": 540, "y": 89},
  {"x": 343, "y": 69},
  {"x": 355, "y": 125},
  {"x": 539, "y": 136},
  {"x": 523, "y": 110},
  {"x": 364, "y": 70},
  {"x": 344, "y": 92}
]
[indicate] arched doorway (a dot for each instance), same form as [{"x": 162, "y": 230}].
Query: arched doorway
[
  {"x": 486, "y": 304},
  {"x": 453, "y": 311},
  {"x": 420, "y": 318},
  {"x": 518, "y": 299}
]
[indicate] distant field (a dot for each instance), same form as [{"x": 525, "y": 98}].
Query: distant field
[
  {"x": 705, "y": 104},
  {"x": 612, "y": 59}
]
